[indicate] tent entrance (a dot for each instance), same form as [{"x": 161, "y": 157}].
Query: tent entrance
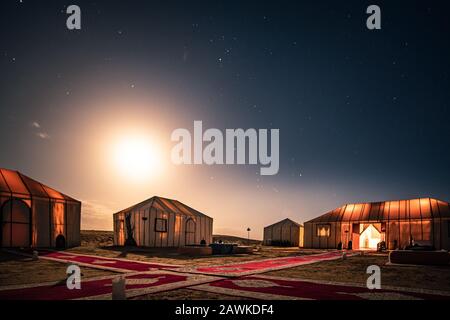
[
  {"x": 60, "y": 242},
  {"x": 15, "y": 224},
  {"x": 189, "y": 234},
  {"x": 369, "y": 237}
]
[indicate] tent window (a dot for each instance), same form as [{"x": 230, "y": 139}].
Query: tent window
[
  {"x": 160, "y": 225},
  {"x": 323, "y": 230}
]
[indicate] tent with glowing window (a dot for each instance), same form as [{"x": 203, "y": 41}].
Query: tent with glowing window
[
  {"x": 161, "y": 222},
  {"x": 35, "y": 215},
  {"x": 398, "y": 224}
]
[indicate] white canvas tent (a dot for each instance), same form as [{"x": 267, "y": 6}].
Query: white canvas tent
[
  {"x": 285, "y": 233},
  {"x": 35, "y": 215},
  {"x": 161, "y": 222}
]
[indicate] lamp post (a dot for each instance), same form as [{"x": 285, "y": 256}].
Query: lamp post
[
  {"x": 144, "y": 219},
  {"x": 248, "y": 237}
]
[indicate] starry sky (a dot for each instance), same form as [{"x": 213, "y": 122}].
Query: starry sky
[{"x": 363, "y": 115}]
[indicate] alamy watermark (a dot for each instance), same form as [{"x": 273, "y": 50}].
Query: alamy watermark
[
  {"x": 373, "y": 22},
  {"x": 374, "y": 280},
  {"x": 240, "y": 147},
  {"x": 74, "y": 277},
  {"x": 73, "y": 21}
]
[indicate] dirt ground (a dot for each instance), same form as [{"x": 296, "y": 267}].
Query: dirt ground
[
  {"x": 171, "y": 256},
  {"x": 187, "y": 294},
  {"x": 101, "y": 243},
  {"x": 16, "y": 270},
  {"x": 353, "y": 270}
]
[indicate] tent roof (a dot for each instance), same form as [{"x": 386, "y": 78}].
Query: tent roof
[
  {"x": 16, "y": 184},
  {"x": 168, "y": 205},
  {"x": 423, "y": 208},
  {"x": 284, "y": 221}
]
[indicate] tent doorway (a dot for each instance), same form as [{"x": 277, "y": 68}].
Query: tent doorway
[
  {"x": 189, "y": 232},
  {"x": 15, "y": 224},
  {"x": 369, "y": 238},
  {"x": 60, "y": 242}
]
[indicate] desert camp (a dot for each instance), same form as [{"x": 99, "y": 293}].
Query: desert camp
[
  {"x": 396, "y": 224},
  {"x": 154, "y": 251},
  {"x": 35, "y": 215},
  {"x": 284, "y": 233},
  {"x": 161, "y": 222}
]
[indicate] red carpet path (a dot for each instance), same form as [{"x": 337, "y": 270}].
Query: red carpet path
[
  {"x": 101, "y": 288},
  {"x": 244, "y": 281},
  {"x": 276, "y": 288},
  {"x": 260, "y": 266}
]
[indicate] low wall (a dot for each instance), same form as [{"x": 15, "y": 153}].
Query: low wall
[
  {"x": 195, "y": 251},
  {"x": 419, "y": 257}
]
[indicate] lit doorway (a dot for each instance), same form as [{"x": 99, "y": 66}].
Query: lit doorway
[{"x": 369, "y": 238}]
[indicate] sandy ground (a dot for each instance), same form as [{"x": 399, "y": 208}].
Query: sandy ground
[
  {"x": 187, "y": 294},
  {"x": 101, "y": 243},
  {"x": 353, "y": 270},
  {"x": 171, "y": 256},
  {"x": 20, "y": 270}
]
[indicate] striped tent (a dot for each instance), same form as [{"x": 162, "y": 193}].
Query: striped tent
[
  {"x": 284, "y": 233},
  {"x": 35, "y": 215},
  {"x": 161, "y": 222},
  {"x": 398, "y": 224}
]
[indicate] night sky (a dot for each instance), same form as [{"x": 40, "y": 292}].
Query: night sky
[{"x": 363, "y": 115}]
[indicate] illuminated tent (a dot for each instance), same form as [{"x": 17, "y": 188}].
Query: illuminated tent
[
  {"x": 397, "y": 223},
  {"x": 161, "y": 222},
  {"x": 284, "y": 233},
  {"x": 34, "y": 215}
]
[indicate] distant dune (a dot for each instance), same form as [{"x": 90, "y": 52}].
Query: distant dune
[
  {"x": 233, "y": 239},
  {"x": 96, "y": 238}
]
